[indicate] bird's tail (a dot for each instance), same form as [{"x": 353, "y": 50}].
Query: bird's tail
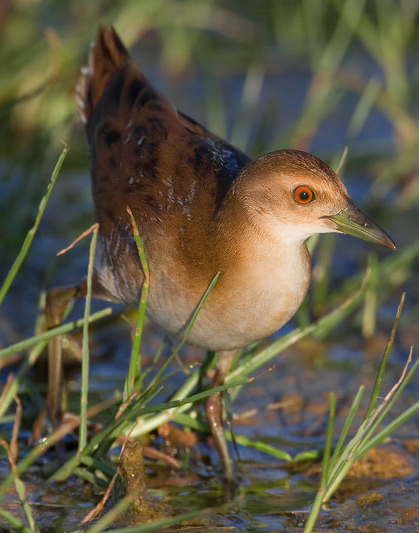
[{"x": 107, "y": 55}]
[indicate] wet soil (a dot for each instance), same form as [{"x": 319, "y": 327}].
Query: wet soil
[{"x": 287, "y": 408}]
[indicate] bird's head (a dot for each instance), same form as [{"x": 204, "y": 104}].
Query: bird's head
[{"x": 294, "y": 195}]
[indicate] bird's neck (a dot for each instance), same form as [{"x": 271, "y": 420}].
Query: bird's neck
[{"x": 250, "y": 248}]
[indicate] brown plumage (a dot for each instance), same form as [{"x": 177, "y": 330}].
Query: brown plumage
[{"x": 202, "y": 207}]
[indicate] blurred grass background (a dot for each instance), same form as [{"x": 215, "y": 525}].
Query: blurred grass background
[{"x": 342, "y": 51}]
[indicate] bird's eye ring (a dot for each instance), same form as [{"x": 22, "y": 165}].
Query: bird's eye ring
[{"x": 303, "y": 195}]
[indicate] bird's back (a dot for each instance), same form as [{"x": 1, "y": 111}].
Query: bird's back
[{"x": 169, "y": 169}]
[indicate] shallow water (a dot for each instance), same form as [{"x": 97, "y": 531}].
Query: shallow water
[{"x": 286, "y": 408}]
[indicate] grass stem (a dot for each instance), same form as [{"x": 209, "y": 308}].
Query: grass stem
[
  {"x": 85, "y": 345},
  {"x": 53, "y": 332},
  {"x": 134, "y": 369},
  {"x": 31, "y": 234}
]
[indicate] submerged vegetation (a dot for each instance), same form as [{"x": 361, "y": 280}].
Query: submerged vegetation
[{"x": 336, "y": 78}]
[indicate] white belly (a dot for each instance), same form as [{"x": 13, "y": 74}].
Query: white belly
[{"x": 248, "y": 303}]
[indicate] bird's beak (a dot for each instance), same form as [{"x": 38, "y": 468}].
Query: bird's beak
[{"x": 353, "y": 222}]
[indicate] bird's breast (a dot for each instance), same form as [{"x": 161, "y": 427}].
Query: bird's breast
[{"x": 253, "y": 298}]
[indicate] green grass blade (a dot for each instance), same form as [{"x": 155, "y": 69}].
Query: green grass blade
[
  {"x": 347, "y": 457},
  {"x": 215, "y": 108},
  {"x": 308, "y": 455},
  {"x": 370, "y": 304},
  {"x": 31, "y": 234},
  {"x": 134, "y": 369},
  {"x": 20, "y": 489},
  {"x": 380, "y": 373},
  {"x": 23, "y": 370},
  {"x": 85, "y": 346},
  {"x": 321, "y": 274},
  {"x": 53, "y": 332},
  {"x": 137, "y": 410},
  {"x": 260, "y": 446},
  {"x": 390, "y": 428},
  {"x": 105, "y": 468},
  {"x": 341, "y": 468},
  {"x": 328, "y": 441},
  {"x": 193, "y": 423},
  {"x": 91, "y": 477},
  {"x": 13, "y": 521},
  {"x": 344, "y": 30},
  {"x": 153, "y": 422},
  {"x": 347, "y": 425},
  {"x": 363, "y": 107},
  {"x": 315, "y": 509},
  {"x": 250, "y": 97},
  {"x": 389, "y": 406}
]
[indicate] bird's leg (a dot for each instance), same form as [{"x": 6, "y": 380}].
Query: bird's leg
[
  {"x": 214, "y": 412},
  {"x": 56, "y": 304}
]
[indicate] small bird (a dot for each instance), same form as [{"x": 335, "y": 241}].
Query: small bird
[{"x": 201, "y": 206}]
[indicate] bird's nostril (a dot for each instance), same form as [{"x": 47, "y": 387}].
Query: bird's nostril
[{"x": 359, "y": 219}]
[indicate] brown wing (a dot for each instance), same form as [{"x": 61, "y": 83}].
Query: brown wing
[{"x": 170, "y": 170}]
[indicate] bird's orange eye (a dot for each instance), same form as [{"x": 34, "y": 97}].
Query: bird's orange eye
[{"x": 303, "y": 195}]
